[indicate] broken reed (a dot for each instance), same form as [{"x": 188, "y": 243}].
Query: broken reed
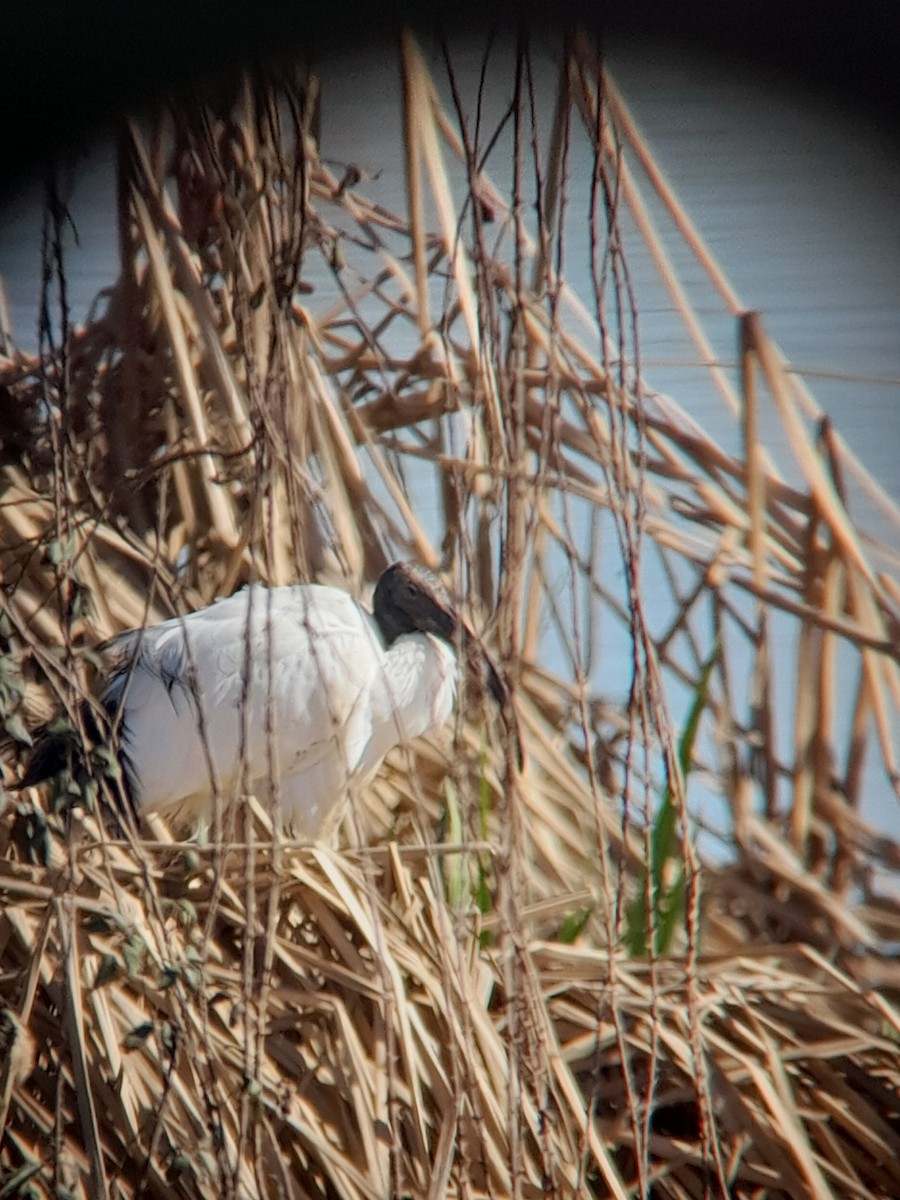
[{"x": 255, "y": 1019}]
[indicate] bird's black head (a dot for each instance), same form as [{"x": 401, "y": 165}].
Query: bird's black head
[{"x": 410, "y": 599}]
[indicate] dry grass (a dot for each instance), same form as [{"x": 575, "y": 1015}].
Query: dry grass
[{"x": 443, "y": 1006}]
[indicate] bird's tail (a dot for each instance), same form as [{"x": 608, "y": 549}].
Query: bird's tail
[{"x": 59, "y": 748}]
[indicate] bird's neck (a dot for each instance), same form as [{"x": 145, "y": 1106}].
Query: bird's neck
[{"x": 420, "y": 678}]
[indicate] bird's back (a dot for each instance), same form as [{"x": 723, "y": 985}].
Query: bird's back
[{"x": 267, "y": 684}]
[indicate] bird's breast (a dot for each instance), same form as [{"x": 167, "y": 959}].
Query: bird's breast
[{"x": 419, "y": 686}]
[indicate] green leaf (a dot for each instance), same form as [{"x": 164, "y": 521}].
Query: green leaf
[
  {"x": 573, "y": 926},
  {"x": 671, "y": 915},
  {"x": 191, "y": 862},
  {"x": 458, "y": 890},
  {"x": 485, "y": 795},
  {"x": 107, "y": 971},
  {"x": 180, "y": 1165},
  {"x": 484, "y": 894},
  {"x": 168, "y": 977},
  {"x": 484, "y": 897},
  {"x": 136, "y": 1038},
  {"x": 186, "y": 916},
  {"x": 168, "y": 1035},
  {"x": 192, "y": 976},
  {"x": 106, "y": 763},
  {"x": 667, "y": 895},
  {"x": 15, "y": 1184},
  {"x": 103, "y": 922},
  {"x": 61, "y": 550},
  {"x": 31, "y": 835},
  {"x": 135, "y": 953}
]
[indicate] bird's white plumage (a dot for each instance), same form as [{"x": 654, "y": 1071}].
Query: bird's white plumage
[{"x": 296, "y": 682}]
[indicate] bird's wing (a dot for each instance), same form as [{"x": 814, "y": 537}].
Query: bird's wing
[{"x": 201, "y": 693}]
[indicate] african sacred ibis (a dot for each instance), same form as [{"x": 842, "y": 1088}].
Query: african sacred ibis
[{"x": 301, "y": 685}]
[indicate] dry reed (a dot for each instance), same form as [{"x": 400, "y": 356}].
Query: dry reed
[{"x": 444, "y": 1006}]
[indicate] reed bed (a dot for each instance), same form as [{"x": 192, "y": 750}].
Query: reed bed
[{"x": 508, "y": 977}]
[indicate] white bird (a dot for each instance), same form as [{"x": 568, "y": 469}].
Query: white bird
[{"x": 295, "y": 694}]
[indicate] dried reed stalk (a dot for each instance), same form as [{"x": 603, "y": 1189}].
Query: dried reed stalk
[{"x": 444, "y": 1006}]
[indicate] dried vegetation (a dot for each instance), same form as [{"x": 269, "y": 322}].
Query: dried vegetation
[{"x": 288, "y": 381}]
